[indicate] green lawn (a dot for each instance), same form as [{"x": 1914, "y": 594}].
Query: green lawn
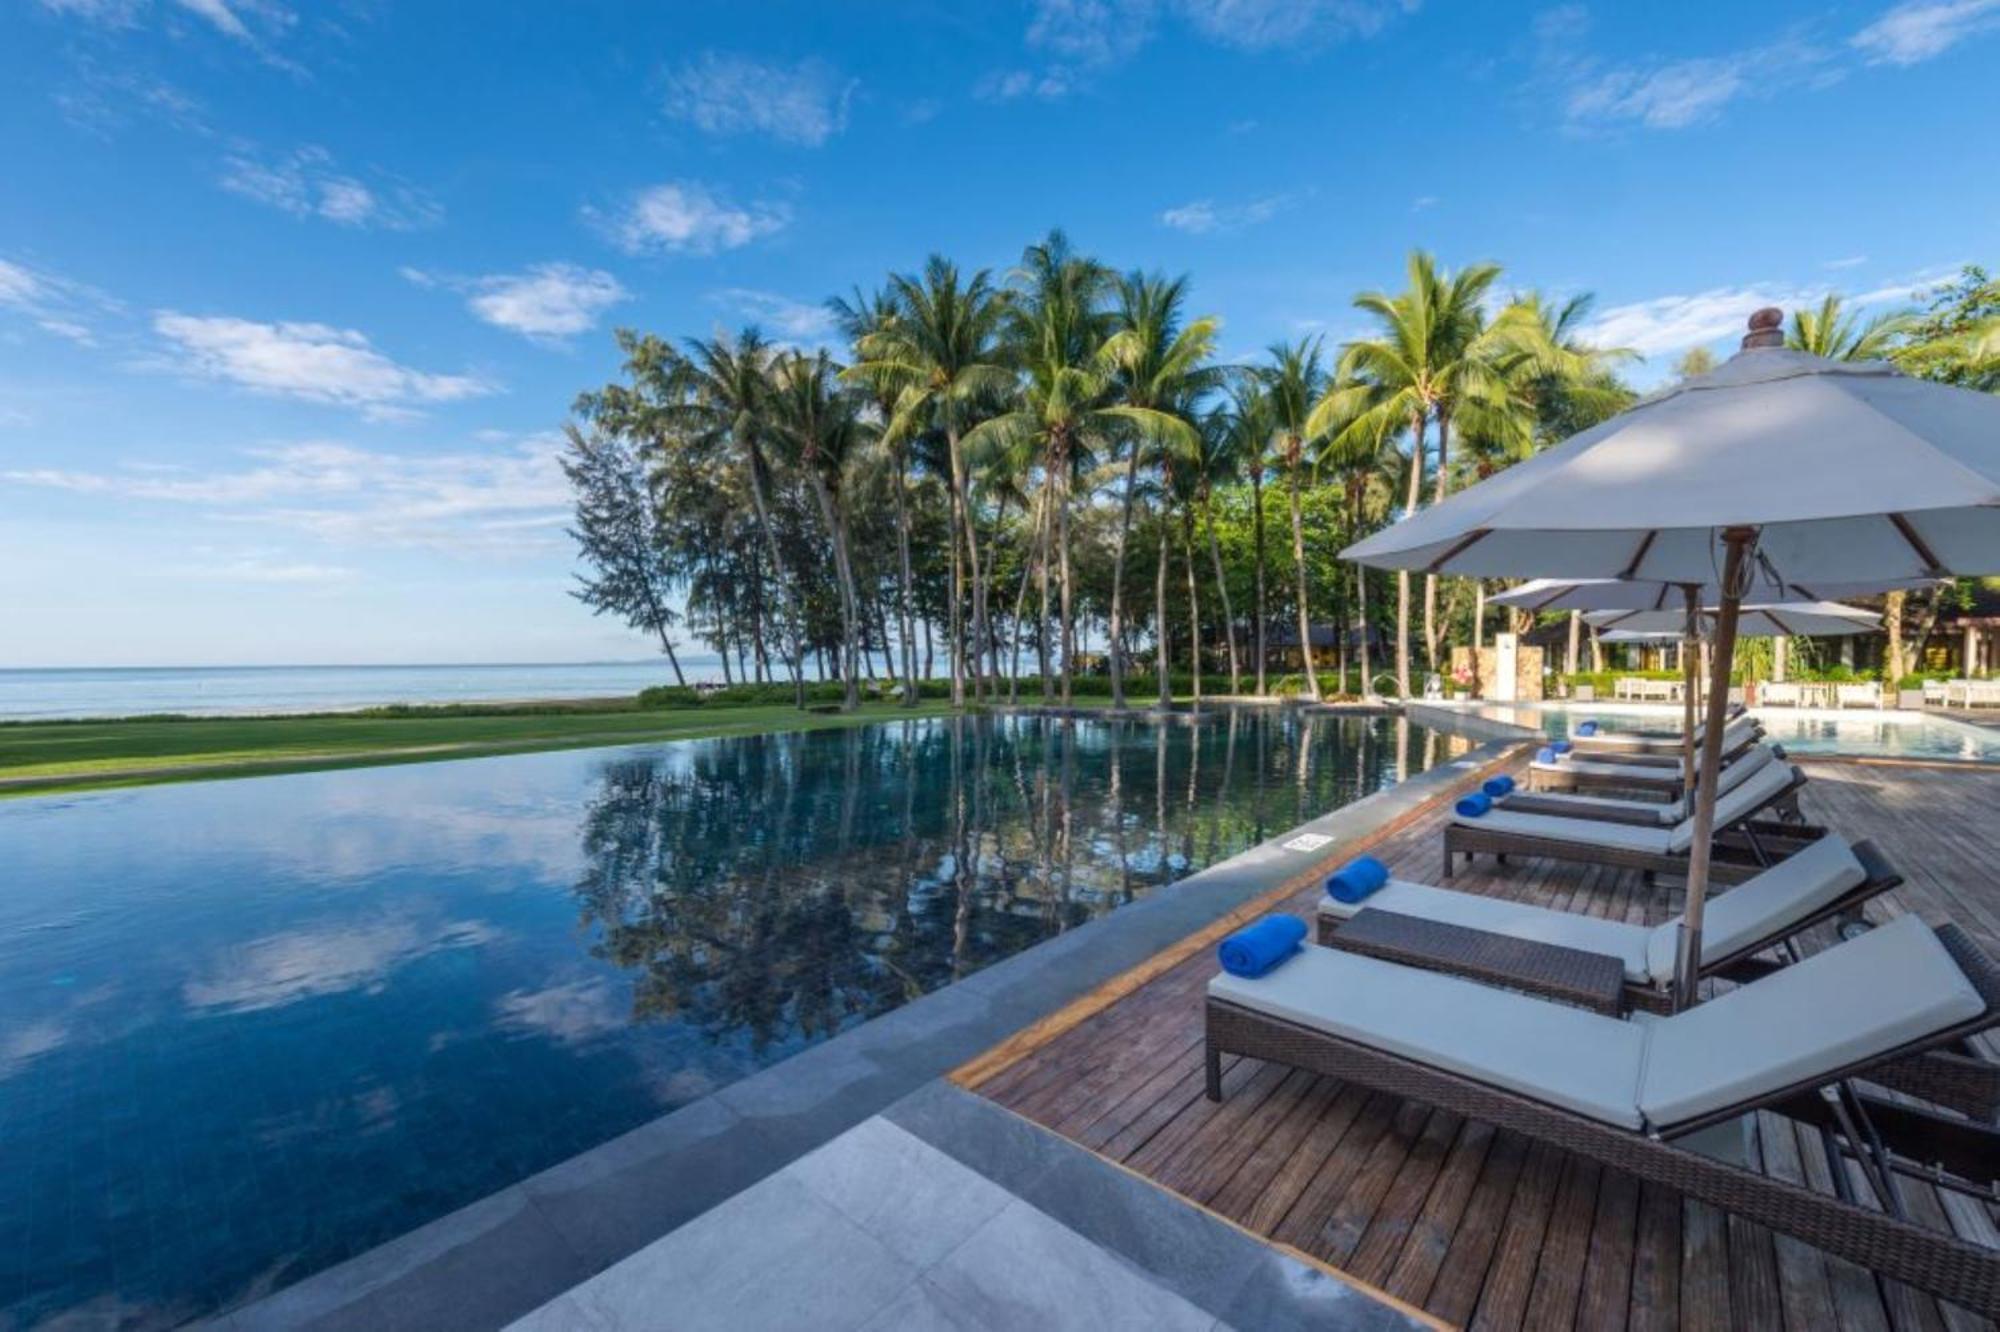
[{"x": 38, "y": 757}]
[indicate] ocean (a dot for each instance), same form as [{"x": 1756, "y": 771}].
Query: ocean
[{"x": 223, "y": 690}]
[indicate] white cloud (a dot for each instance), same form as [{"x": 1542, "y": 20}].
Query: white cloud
[
  {"x": 1005, "y": 85},
  {"x": 307, "y": 183},
  {"x": 1204, "y": 216},
  {"x": 252, "y": 23},
  {"x": 688, "y": 217},
  {"x": 547, "y": 303},
  {"x": 1258, "y": 25},
  {"x": 51, "y": 302},
  {"x": 492, "y": 500},
  {"x": 1091, "y": 32},
  {"x": 1848, "y": 261},
  {"x": 1423, "y": 202},
  {"x": 1916, "y": 30},
  {"x": 314, "y": 362},
  {"x": 285, "y": 968},
  {"x": 1674, "y": 323},
  {"x": 256, "y": 569},
  {"x": 570, "y": 1014},
  {"x": 797, "y": 321},
  {"x": 1674, "y": 94},
  {"x": 804, "y": 103}
]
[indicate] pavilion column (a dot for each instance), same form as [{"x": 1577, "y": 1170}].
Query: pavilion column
[{"x": 1781, "y": 650}]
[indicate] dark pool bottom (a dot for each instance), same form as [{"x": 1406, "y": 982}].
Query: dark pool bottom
[{"x": 249, "y": 1029}]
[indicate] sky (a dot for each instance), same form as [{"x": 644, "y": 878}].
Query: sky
[{"x": 295, "y": 297}]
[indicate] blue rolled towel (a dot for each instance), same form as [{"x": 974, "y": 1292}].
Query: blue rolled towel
[
  {"x": 1256, "y": 949},
  {"x": 1561, "y": 746},
  {"x": 1474, "y": 805},
  {"x": 1355, "y": 880},
  {"x": 1546, "y": 754},
  {"x": 1498, "y": 786},
  {"x": 1586, "y": 728}
]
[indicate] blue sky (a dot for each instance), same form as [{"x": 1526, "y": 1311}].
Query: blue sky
[{"x": 293, "y": 297}]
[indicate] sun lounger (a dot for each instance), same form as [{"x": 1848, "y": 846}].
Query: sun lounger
[
  {"x": 1657, "y": 795},
  {"x": 1734, "y": 736},
  {"x": 1825, "y": 881},
  {"x": 1780, "y": 696},
  {"x": 1632, "y": 1095},
  {"x": 1868, "y": 695},
  {"x": 1627, "y": 772},
  {"x": 1655, "y": 850}
]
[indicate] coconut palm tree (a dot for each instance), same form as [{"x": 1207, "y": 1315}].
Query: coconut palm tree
[
  {"x": 865, "y": 316},
  {"x": 817, "y": 425},
  {"x": 1068, "y": 402},
  {"x": 942, "y": 357},
  {"x": 1293, "y": 382},
  {"x": 1219, "y": 464},
  {"x": 1155, "y": 361},
  {"x": 1838, "y": 333},
  {"x": 1430, "y": 360}
]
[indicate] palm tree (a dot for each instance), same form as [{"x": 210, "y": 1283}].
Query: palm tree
[
  {"x": 942, "y": 358},
  {"x": 714, "y": 394},
  {"x": 1155, "y": 361},
  {"x": 1067, "y": 404},
  {"x": 1431, "y": 360},
  {"x": 1293, "y": 382},
  {"x": 1837, "y": 333},
  {"x": 861, "y": 318},
  {"x": 819, "y": 427},
  {"x": 1364, "y": 461},
  {"x": 1222, "y": 451},
  {"x": 1255, "y": 430}
]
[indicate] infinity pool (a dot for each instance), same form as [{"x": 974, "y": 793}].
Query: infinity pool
[
  {"x": 250, "y": 1028},
  {"x": 1869, "y": 733}
]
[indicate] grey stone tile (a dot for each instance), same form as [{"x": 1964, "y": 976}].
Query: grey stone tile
[
  {"x": 972, "y": 1130},
  {"x": 921, "y": 1308},
  {"x": 1023, "y": 1270},
  {"x": 477, "y": 1266},
  {"x": 915, "y": 1199},
  {"x": 617, "y": 1198},
  {"x": 774, "y": 1257},
  {"x": 1284, "y": 1294}
]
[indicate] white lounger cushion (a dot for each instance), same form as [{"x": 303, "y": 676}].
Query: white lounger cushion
[
  {"x": 1729, "y": 807},
  {"x": 1856, "y": 1000},
  {"x": 1733, "y": 776},
  {"x": 1566, "y": 1056},
  {"x": 1850, "y": 1003},
  {"x": 1790, "y": 890},
  {"x": 1755, "y": 909}
]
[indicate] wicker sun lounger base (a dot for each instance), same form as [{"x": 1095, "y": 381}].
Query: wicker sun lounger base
[{"x": 1952, "y": 1268}]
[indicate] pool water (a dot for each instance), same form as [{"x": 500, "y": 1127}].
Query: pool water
[
  {"x": 1867, "y": 733},
  {"x": 250, "y": 1028}
]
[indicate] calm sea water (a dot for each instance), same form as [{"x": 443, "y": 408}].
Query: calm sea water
[
  {"x": 250, "y": 1028},
  {"x": 201, "y": 690}
]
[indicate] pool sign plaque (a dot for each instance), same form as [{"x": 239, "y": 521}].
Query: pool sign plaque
[{"x": 1308, "y": 842}]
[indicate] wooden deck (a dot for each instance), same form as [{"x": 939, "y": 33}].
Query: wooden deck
[{"x": 1482, "y": 1228}]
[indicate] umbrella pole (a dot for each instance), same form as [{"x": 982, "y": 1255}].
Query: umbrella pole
[
  {"x": 1690, "y": 689},
  {"x": 1687, "y": 962}
]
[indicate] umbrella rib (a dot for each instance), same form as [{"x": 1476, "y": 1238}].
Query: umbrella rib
[
  {"x": 1471, "y": 538},
  {"x": 1909, "y": 533},
  {"x": 1639, "y": 555},
  {"x": 1779, "y": 621}
]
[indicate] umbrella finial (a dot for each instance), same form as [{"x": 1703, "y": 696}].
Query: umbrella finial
[{"x": 1767, "y": 329}]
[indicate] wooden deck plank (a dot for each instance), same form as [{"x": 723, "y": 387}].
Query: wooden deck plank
[{"x": 1482, "y": 1228}]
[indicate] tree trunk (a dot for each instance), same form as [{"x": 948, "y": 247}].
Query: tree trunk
[
  {"x": 1575, "y": 642},
  {"x": 963, "y": 487},
  {"x": 1068, "y": 612},
  {"x": 1596, "y": 653},
  {"x": 798, "y": 618},
  {"x": 667, "y": 646},
  {"x": 1042, "y": 580},
  {"x": 1430, "y": 580},
  {"x": 1194, "y": 601},
  {"x": 1292, "y": 447},
  {"x": 955, "y": 618},
  {"x": 991, "y": 671},
  {"x": 1117, "y": 646},
  {"x": 1892, "y": 620},
  {"x": 903, "y": 592},
  {"x": 1418, "y": 422},
  {"x": 1222, "y": 591},
  {"x": 1160, "y": 650},
  {"x": 1355, "y": 490},
  {"x": 1257, "y": 541},
  {"x": 1021, "y": 603}
]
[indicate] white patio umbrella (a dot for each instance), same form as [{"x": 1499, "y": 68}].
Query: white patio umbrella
[
  {"x": 1803, "y": 619},
  {"x": 1673, "y": 600},
  {"x": 1805, "y": 471}
]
